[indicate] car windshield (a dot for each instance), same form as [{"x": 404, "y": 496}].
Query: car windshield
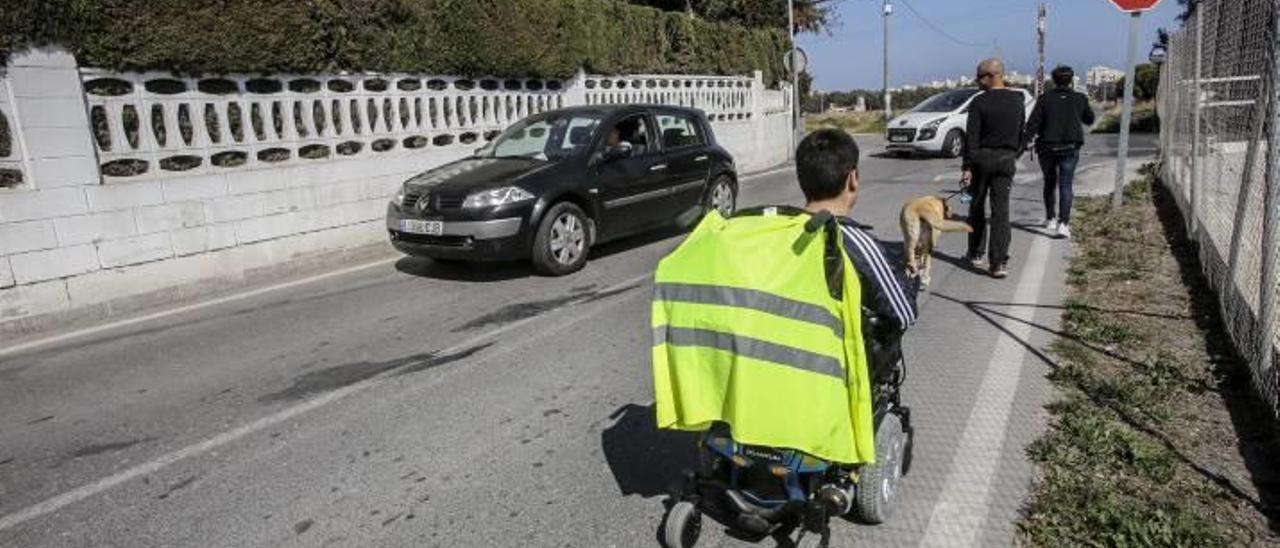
[
  {"x": 946, "y": 101},
  {"x": 546, "y": 137}
]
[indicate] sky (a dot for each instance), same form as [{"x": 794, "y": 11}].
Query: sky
[{"x": 1080, "y": 33}]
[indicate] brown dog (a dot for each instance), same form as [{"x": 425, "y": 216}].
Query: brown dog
[{"x": 923, "y": 220}]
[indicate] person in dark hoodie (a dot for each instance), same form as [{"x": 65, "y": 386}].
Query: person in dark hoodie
[{"x": 1057, "y": 125}]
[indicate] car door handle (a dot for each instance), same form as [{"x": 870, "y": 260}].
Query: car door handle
[
  {"x": 700, "y": 159},
  {"x": 658, "y": 167}
]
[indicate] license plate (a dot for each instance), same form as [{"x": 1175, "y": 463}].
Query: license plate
[
  {"x": 415, "y": 226},
  {"x": 899, "y": 139}
]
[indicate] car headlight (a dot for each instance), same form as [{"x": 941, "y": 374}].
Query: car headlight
[
  {"x": 496, "y": 197},
  {"x": 934, "y": 124}
]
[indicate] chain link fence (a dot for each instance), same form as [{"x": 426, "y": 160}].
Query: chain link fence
[{"x": 1218, "y": 107}]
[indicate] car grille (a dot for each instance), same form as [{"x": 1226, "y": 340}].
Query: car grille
[
  {"x": 908, "y": 133},
  {"x": 440, "y": 201},
  {"x": 423, "y": 239},
  {"x": 450, "y": 201}
]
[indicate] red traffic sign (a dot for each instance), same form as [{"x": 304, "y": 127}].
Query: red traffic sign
[{"x": 1135, "y": 5}]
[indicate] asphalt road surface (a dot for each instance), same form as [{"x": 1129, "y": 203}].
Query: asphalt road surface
[{"x": 407, "y": 403}]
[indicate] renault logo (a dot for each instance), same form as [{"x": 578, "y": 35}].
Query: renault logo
[{"x": 424, "y": 201}]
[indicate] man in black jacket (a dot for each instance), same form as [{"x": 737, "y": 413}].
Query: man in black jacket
[
  {"x": 1057, "y": 121},
  {"x": 993, "y": 142}
]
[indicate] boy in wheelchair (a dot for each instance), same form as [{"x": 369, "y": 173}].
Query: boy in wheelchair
[{"x": 745, "y": 342}]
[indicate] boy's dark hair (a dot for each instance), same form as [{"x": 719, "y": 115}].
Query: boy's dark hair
[
  {"x": 1063, "y": 76},
  {"x": 824, "y": 160}
]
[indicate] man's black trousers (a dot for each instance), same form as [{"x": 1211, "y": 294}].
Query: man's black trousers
[{"x": 993, "y": 172}]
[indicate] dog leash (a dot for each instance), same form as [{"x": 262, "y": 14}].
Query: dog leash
[{"x": 953, "y": 195}]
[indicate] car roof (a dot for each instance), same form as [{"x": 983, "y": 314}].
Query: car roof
[{"x": 624, "y": 107}]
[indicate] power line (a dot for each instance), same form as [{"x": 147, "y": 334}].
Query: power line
[{"x": 938, "y": 29}]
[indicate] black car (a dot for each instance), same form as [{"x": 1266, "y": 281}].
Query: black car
[{"x": 556, "y": 183}]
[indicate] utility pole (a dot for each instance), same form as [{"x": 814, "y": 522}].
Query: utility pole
[
  {"x": 1040, "y": 28},
  {"x": 794, "y": 58},
  {"x": 888, "y": 110}
]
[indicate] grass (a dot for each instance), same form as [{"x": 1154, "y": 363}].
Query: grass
[
  {"x": 1156, "y": 413},
  {"x": 852, "y": 122},
  {"x": 1144, "y": 119}
]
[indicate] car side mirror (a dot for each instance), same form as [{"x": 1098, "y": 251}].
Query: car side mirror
[{"x": 617, "y": 152}]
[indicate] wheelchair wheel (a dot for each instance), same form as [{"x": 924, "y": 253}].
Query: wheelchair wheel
[
  {"x": 879, "y": 485},
  {"x": 683, "y": 526}
]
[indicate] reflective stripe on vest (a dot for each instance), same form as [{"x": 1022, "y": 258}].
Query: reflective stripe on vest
[
  {"x": 749, "y": 348},
  {"x": 749, "y": 298}
]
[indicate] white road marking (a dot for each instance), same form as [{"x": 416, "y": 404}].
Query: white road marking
[
  {"x": 50, "y": 340},
  {"x": 962, "y": 507},
  {"x": 79, "y": 494},
  {"x": 763, "y": 174}
]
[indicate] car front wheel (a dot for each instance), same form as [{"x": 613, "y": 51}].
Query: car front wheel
[
  {"x": 721, "y": 197},
  {"x": 953, "y": 146},
  {"x": 563, "y": 238}
]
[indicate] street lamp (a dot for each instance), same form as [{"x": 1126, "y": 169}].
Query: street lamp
[{"x": 1157, "y": 55}]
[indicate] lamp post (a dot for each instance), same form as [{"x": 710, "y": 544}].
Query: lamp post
[{"x": 1157, "y": 54}]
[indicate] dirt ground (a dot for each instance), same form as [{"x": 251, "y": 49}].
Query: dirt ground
[{"x": 1158, "y": 439}]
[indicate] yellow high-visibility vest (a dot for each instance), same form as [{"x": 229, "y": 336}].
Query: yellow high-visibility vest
[{"x": 747, "y": 331}]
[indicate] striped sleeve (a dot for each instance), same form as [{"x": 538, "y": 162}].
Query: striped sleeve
[{"x": 889, "y": 298}]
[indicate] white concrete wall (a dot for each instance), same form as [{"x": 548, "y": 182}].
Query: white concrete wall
[{"x": 73, "y": 238}]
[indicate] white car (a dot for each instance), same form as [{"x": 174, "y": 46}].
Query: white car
[{"x": 937, "y": 124}]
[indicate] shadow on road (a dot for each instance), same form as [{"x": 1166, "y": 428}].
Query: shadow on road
[
  {"x": 649, "y": 462},
  {"x": 910, "y": 157},
  {"x": 464, "y": 272},
  {"x": 487, "y": 272},
  {"x": 644, "y": 460}
]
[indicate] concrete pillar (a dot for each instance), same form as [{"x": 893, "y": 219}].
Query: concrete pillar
[
  {"x": 50, "y": 115},
  {"x": 758, "y": 126}
]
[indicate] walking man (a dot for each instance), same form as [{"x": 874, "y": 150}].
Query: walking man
[
  {"x": 1056, "y": 124},
  {"x": 993, "y": 142}
]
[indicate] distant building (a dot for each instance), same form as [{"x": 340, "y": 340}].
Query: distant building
[{"x": 1101, "y": 75}]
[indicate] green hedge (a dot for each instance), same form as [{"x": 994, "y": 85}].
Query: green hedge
[{"x": 535, "y": 38}]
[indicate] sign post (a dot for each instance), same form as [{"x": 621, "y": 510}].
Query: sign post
[
  {"x": 795, "y": 62},
  {"x": 1135, "y": 9}
]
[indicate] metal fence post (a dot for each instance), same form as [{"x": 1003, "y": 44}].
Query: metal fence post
[
  {"x": 1263, "y": 110},
  {"x": 1271, "y": 223},
  {"x": 1195, "y": 126}
]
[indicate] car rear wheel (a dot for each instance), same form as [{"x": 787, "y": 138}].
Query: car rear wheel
[
  {"x": 953, "y": 146},
  {"x": 563, "y": 238},
  {"x": 721, "y": 197}
]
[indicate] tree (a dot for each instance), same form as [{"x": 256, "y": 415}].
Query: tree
[
  {"x": 1188, "y": 9},
  {"x": 811, "y": 16},
  {"x": 1146, "y": 83}
]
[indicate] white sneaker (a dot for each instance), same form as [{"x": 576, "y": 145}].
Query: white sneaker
[
  {"x": 1051, "y": 224},
  {"x": 1064, "y": 231}
]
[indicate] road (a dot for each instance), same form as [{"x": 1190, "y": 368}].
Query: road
[{"x": 407, "y": 403}]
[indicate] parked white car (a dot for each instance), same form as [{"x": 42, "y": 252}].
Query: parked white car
[{"x": 937, "y": 124}]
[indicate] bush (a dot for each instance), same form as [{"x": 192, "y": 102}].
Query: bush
[
  {"x": 1145, "y": 120},
  {"x": 500, "y": 38}
]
